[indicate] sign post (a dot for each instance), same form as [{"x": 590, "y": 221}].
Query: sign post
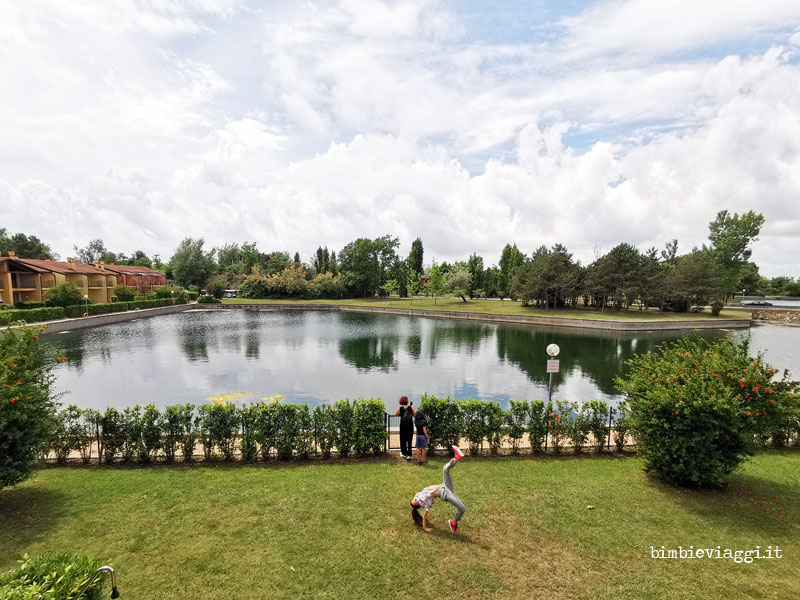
[{"x": 552, "y": 367}]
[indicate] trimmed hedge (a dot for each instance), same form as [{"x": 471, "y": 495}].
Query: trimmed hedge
[
  {"x": 77, "y": 310},
  {"x": 30, "y": 305},
  {"x": 31, "y": 315}
]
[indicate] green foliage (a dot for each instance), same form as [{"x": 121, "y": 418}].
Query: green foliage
[
  {"x": 696, "y": 406},
  {"x": 622, "y": 426},
  {"x": 511, "y": 259},
  {"x": 716, "y": 307},
  {"x": 113, "y": 434},
  {"x": 579, "y": 428},
  {"x": 459, "y": 281},
  {"x": 25, "y": 246},
  {"x": 289, "y": 283},
  {"x": 68, "y": 433},
  {"x": 369, "y": 426},
  {"x": 208, "y": 300},
  {"x": 560, "y": 424},
  {"x": 171, "y": 426},
  {"x": 64, "y": 294},
  {"x": 294, "y": 431},
  {"x": 149, "y": 441},
  {"x": 437, "y": 285},
  {"x": 415, "y": 256},
  {"x": 55, "y": 575},
  {"x": 539, "y": 422},
  {"x": 27, "y": 405},
  {"x": 32, "y": 315},
  {"x": 191, "y": 296},
  {"x": 325, "y": 433},
  {"x": 249, "y": 417},
  {"x": 596, "y": 413},
  {"x": 219, "y": 424},
  {"x": 391, "y": 287},
  {"x": 191, "y": 265},
  {"x": 216, "y": 289},
  {"x": 29, "y": 305},
  {"x": 495, "y": 425},
  {"x": 444, "y": 421},
  {"x": 473, "y": 420},
  {"x": 326, "y": 285},
  {"x": 731, "y": 237},
  {"x": 516, "y": 422},
  {"x": 344, "y": 419},
  {"x": 266, "y": 428},
  {"x": 365, "y": 264},
  {"x": 78, "y": 310},
  {"x": 124, "y": 293}
]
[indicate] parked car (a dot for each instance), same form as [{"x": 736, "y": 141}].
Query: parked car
[{"x": 757, "y": 303}]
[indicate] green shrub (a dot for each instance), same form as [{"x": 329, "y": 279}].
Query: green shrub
[
  {"x": 325, "y": 433},
  {"x": 68, "y": 433},
  {"x": 56, "y": 575},
  {"x": 369, "y": 426},
  {"x": 33, "y": 315},
  {"x": 579, "y": 428},
  {"x": 267, "y": 428},
  {"x": 539, "y": 421},
  {"x": 113, "y": 434},
  {"x": 473, "y": 419},
  {"x": 597, "y": 416},
  {"x": 191, "y": 296},
  {"x": 64, "y": 294},
  {"x": 343, "y": 418},
  {"x": 716, "y": 308},
  {"x": 289, "y": 430},
  {"x": 516, "y": 423},
  {"x": 219, "y": 424},
  {"x": 622, "y": 426},
  {"x": 30, "y": 305},
  {"x": 149, "y": 441},
  {"x": 495, "y": 425},
  {"x": 560, "y": 423},
  {"x": 249, "y": 422},
  {"x": 131, "y": 426},
  {"x": 188, "y": 433},
  {"x": 696, "y": 407},
  {"x": 124, "y": 293},
  {"x": 208, "y": 300},
  {"x": 170, "y": 423},
  {"x": 445, "y": 427},
  {"x": 27, "y": 404}
]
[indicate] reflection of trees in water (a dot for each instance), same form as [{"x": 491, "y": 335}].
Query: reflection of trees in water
[
  {"x": 371, "y": 352},
  {"x": 414, "y": 346},
  {"x": 599, "y": 356},
  {"x": 193, "y": 340},
  {"x": 457, "y": 335}
]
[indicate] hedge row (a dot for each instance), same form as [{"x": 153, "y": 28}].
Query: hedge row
[
  {"x": 222, "y": 430},
  {"x": 33, "y": 315}
]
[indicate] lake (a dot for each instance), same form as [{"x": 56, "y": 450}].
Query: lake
[{"x": 319, "y": 357}]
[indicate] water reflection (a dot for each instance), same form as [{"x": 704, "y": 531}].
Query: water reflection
[{"x": 322, "y": 356}]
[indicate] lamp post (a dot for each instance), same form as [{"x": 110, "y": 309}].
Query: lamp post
[
  {"x": 552, "y": 367},
  {"x": 86, "y": 300}
]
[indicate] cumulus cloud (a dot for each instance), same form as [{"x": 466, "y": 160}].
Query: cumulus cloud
[{"x": 314, "y": 124}]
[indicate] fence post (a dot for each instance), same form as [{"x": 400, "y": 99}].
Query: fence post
[
  {"x": 386, "y": 423},
  {"x": 610, "y": 411}
]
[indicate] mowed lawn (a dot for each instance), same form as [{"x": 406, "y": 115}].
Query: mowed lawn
[
  {"x": 507, "y": 307},
  {"x": 344, "y": 530}
]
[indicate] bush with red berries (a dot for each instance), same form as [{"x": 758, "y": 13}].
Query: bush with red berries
[{"x": 697, "y": 408}]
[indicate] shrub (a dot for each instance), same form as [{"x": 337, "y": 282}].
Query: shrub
[
  {"x": 560, "y": 423},
  {"x": 64, "y": 294},
  {"x": 208, "y": 300},
  {"x": 124, "y": 293},
  {"x": 267, "y": 428},
  {"x": 516, "y": 423},
  {"x": 32, "y": 315},
  {"x": 369, "y": 426},
  {"x": 219, "y": 424},
  {"x": 131, "y": 432},
  {"x": 474, "y": 423},
  {"x": 27, "y": 405},
  {"x": 621, "y": 426},
  {"x": 343, "y": 418},
  {"x": 68, "y": 433},
  {"x": 191, "y": 296},
  {"x": 188, "y": 433},
  {"x": 696, "y": 406},
  {"x": 29, "y": 305},
  {"x": 289, "y": 430},
  {"x": 56, "y": 575},
  {"x": 325, "y": 433},
  {"x": 579, "y": 428},
  {"x": 249, "y": 421},
  {"x": 149, "y": 441},
  {"x": 444, "y": 421},
  {"x": 716, "y": 308},
  {"x": 171, "y": 426},
  {"x": 495, "y": 425},
  {"x": 113, "y": 434},
  {"x": 539, "y": 421},
  {"x": 597, "y": 415}
]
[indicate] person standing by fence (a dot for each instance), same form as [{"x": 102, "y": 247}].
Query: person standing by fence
[
  {"x": 422, "y": 436},
  {"x": 406, "y": 414}
]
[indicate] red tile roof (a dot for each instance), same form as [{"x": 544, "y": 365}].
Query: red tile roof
[
  {"x": 57, "y": 266},
  {"x": 131, "y": 269}
]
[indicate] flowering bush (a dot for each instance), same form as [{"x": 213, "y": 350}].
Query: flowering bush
[
  {"x": 696, "y": 407},
  {"x": 27, "y": 406}
]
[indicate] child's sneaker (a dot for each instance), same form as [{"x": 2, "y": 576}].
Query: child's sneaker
[
  {"x": 459, "y": 454},
  {"x": 453, "y": 526}
]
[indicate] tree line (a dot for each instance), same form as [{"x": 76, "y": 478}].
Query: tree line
[{"x": 548, "y": 277}]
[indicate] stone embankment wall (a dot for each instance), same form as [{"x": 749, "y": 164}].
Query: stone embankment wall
[
  {"x": 128, "y": 315},
  {"x": 500, "y": 318},
  {"x": 777, "y": 315}
]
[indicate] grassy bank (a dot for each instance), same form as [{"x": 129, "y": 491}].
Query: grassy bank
[
  {"x": 507, "y": 307},
  {"x": 344, "y": 530}
]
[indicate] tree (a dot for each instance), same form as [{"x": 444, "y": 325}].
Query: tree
[
  {"x": 691, "y": 280},
  {"x": 124, "y": 293},
  {"x": 476, "y": 274},
  {"x": 191, "y": 265},
  {"x": 458, "y": 280},
  {"x": 617, "y": 277},
  {"x": 366, "y": 264},
  {"x": 277, "y": 262},
  {"x": 66, "y": 293},
  {"x": 27, "y": 405},
  {"x": 436, "y": 285},
  {"x": 413, "y": 279},
  {"x": 25, "y": 246},
  {"x": 390, "y": 287},
  {"x": 731, "y": 237},
  {"x": 297, "y": 260},
  {"x": 93, "y": 251},
  {"x": 415, "y": 256},
  {"x": 510, "y": 260}
]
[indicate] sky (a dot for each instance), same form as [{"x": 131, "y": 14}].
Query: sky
[{"x": 468, "y": 124}]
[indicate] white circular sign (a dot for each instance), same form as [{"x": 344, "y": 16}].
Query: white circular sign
[{"x": 553, "y": 349}]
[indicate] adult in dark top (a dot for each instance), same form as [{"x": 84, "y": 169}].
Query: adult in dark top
[{"x": 406, "y": 414}]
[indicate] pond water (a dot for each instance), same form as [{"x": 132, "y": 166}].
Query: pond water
[{"x": 319, "y": 357}]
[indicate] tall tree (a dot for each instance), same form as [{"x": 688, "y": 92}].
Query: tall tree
[
  {"x": 510, "y": 260},
  {"x": 437, "y": 284},
  {"x": 25, "y": 246},
  {"x": 415, "y": 256},
  {"x": 731, "y": 237},
  {"x": 476, "y": 276},
  {"x": 93, "y": 251},
  {"x": 191, "y": 265}
]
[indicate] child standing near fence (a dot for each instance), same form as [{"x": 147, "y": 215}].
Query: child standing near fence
[{"x": 422, "y": 436}]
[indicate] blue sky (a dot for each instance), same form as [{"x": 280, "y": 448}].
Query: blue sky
[{"x": 466, "y": 123}]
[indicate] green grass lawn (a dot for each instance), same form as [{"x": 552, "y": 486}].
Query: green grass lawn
[
  {"x": 507, "y": 307},
  {"x": 344, "y": 530}
]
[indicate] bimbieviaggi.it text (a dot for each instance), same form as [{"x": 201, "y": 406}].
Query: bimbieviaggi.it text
[{"x": 718, "y": 553}]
